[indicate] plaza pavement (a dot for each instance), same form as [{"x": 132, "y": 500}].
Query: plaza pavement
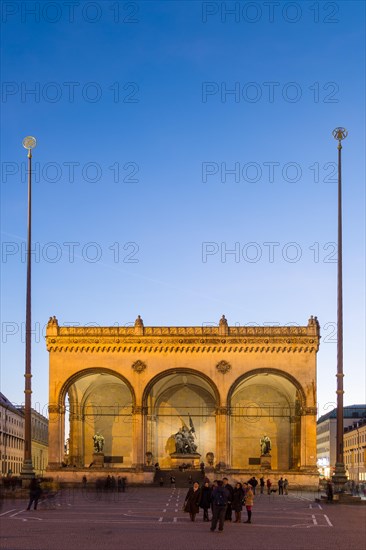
[{"x": 151, "y": 518}]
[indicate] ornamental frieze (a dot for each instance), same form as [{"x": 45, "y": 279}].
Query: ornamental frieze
[
  {"x": 122, "y": 332},
  {"x": 208, "y": 339},
  {"x": 254, "y": 346}
]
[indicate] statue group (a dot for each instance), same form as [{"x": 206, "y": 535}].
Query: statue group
[
  {"x": 184, "y": 440},
  {"x": 265, "y": 445},
  {"x": 98, "y": 441}
]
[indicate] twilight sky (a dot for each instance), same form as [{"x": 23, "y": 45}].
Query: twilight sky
[{"x": 185, "y": 169}]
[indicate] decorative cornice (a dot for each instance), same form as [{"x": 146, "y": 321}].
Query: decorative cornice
[{"x": 293, "y": 339}]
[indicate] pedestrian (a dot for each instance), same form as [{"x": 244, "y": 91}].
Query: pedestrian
[
  {"x": 172, "y": 481},
  {"x": 285, "y": 486},
  {"x": 238, "y": 501},
  {"x": 35, "y": 492},
  {"x": 249, "y": 501},
  {"x": 161, "y": 481},
  {"x": 329, "y": 490},
  {"x": 229, "y": 510},
  {"x": 280, "y": 486},
  {"x": 269, "y": 485},
  {"x": 108, "y": 483},
  {"x": 261, "y": 483},
  {"x": 84, "y": 482},
  {"x": 253, "y": 482},
  {"x": 205, "y": 501},
  {"x": 220, "y": 497},
  {"x": 192, "y": 501},
  {"x": 190, "y": 480}
]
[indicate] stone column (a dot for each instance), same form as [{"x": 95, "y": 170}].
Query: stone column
[
  {"x": 295, "y": 443},
  {"x": 308, "y": 438},
  {"x": 56, "y": 419},
  {"x": 138, "y": 422},
  {"x": 222, "y": 440},
  {"x": 76, "y": 455}
]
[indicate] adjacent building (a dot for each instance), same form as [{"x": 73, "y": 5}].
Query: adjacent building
[
  {"x": 326, "y": 436},
  {"x": 12, "y": 439},
  {"x": 355, "y": 450}
]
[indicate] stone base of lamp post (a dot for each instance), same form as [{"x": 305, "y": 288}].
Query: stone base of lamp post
[{"x": 339, "y": 477}]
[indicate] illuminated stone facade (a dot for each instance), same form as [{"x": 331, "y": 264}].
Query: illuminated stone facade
[{"x": 137, "y": 385}]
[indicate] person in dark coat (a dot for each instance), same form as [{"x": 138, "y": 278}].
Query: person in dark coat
[
  {"x": 35, "y": 492},
  {"x": 220, "y": 497},
  {"x": 192, "y": 501},
  {"x": 280, "y": 486},
  {"x": 262, "y": 482},
  {"x": 253, "y": 482},
  {"x": 205, "y": 502},
  {"x": 329, "y": 490},
  {"x": 237, "y": 502},
  {"x": 229, "y": 511}
]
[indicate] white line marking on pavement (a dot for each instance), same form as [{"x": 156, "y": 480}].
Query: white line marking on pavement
[
  {"x": 164, "y": 510},
  {"x": 314, "y": 520},
  {"x": 160, "y": 519},
  {"x": 328, "y": 521},
  {"x": 311, "y": 506},
  {"x": 7, "y": 512},
  {"x": 16, "y": 513},
  {"x": 175, "y": 520},
  {"x": 320, "y": 507}
]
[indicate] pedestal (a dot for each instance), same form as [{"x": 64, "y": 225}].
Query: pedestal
[
  {"x": 178, "y": 459},
  {"x": 266, "y": 461},
  {"x": 98, "y": 460},
  {"x": 339, "y": 477}
]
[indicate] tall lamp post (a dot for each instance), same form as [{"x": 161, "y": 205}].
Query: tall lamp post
[
  {"x": 29, "y": 143},
  {"x": 339, "y": 476}
]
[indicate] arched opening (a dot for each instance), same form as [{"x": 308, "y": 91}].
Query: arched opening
[
  {"x": 98, "y": 401},
  {"x": 171, "y": 400},
  {"x": 266, "y": 402}
]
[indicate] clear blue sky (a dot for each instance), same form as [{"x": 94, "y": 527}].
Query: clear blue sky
[{"x": 136, "y": 134}]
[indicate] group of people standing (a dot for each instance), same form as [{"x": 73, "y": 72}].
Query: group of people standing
[
  {"x": 222, "y": 499},
  {"x": 282, "y": 486}
]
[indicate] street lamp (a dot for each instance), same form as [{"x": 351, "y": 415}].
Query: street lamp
[
  {"x": 339, "y": 476},
  {"x": 29, "y": 143}
]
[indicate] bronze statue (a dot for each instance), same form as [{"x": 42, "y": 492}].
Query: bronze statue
[
  {"x": 265, "y": 445},
  {"x": 98, "y": 440},
  {"x": 184, "y": 439}
]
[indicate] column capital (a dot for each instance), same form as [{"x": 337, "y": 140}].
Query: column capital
[{"x": 222, "y": 410}]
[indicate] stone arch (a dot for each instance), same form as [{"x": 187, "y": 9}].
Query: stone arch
[
  {"x": 100, "y": 400},
  {"x": 170, "y": 400},
  {"x": 183, "y": 370},
  {"x": 95, "y": 370},
  {"x": 266, "y": 401},
  {"x": 267, "y": 371}
]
